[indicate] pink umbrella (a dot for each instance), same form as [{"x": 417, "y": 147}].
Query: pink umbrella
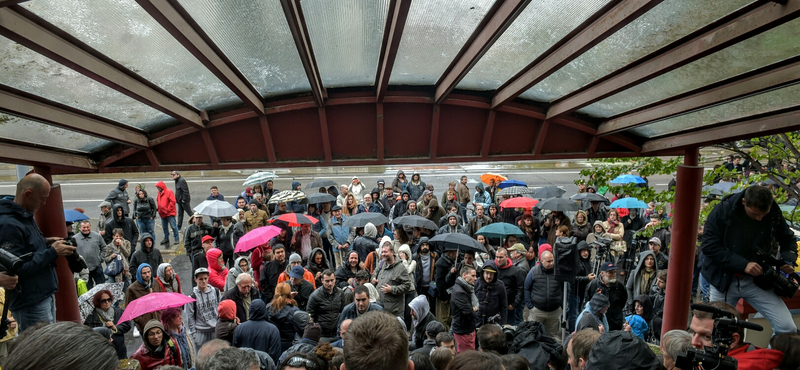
[
  {"x": 256, "y": 237},
  {"x": 153, "y": 302}
]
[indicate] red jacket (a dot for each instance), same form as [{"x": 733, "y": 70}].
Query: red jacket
[
  {"x": 751, "y": 357},
  {"x": 256, "y": 260},
  {"x": 217, "y": 275},
  {"x": 172, "y": 356},
  {"x": 165, "y": 201}
]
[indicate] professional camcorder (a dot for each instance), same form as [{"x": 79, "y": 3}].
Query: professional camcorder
[
  {"x": 715, "y": 357},
  {"x": 774, "y": 280}
]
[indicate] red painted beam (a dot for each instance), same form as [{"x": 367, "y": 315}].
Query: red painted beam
[
  {"x": 767, "y": 16},
  {"x": 496, "y": 21},
  {"x": 270, "y": 148},
  {"x": 380, "y": 131},
  {"x": 326, "y": 137},
  {"x": 151, "y": 156},
  {"x": 212, "y": 152},
  {"x": 297, "y": 25},
  {"x": 606, "y": 22},
  {"x": 392, "y": 33},
  {"x": 537, "y": 149},
  {"x": 34, "y": 156},
  {"x": 593, "y": 146},
  {"x": 435, "y": 131},
  {"x": 487, "y": 134}
]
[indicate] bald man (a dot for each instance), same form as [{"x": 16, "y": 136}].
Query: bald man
[{"x": 34, "y": 302}]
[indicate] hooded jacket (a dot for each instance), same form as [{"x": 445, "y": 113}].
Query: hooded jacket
[
  {"x": 433, "y": 212},
  {"x": 325, "y": 309},
  {"x": 258, "y": 333},
  {"x": 234, "y": 271},
  {"x": 584, "y": 269},
  {"x": 396, "y": 276},
  {"x": 622, "y": 350},
  {"x": 593, "y": 236},
  {"x": 492, "y": 299},
  {"x": 588, "y": 318},
  {"x": 164, "y": 285},
  {"x": 119, "y": 197},
  {"x": 422, "y": 310},
  {"x": 482, "y": 197},
  {"x": 397, "y": 185},
  {"x": 447, "y": 229},
  {"x": 617, "y": 297},
  {"x": 165, "y": 201},
  {"x": 415, "y": 190},
  {"x": 581, "y": 230},
  {"x": 284, "y": 321},
  {"x": 141, "y": 255},
  {"x": 647, "y": 306},
  {"x": 633, "y": 284},
  {"x": 401, "y": 206},
  {"x": 514, "y": 281},
  {"x": 216, "y": 273},
  {"x": 366, "y": 244},
  {"x": 314, "y": 267},
  {"x": 532, "y": 342},
  {"x": 226, "y": 323},
  {"x": 148, "y": 359},
  {"x": 750, "y": 357},
  {"x": 139, "y": 289},
  {"x": 443, "y": 278},
  {"x": 127, "y": 225},
  {"x": 638, "y": 326},
  {"x": 202, "y": 314}
]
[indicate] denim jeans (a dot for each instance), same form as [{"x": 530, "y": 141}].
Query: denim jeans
[
  {"x": 147, "y": 226},
  {"x": 44, "y": 311},
  {"x": 705, "y": 288},
  {"x": 765, "y": 301},
  {"x": 96, "y": 276},
  {"x": 167, "y": 222},
  {"x": 573, "y": 309}
]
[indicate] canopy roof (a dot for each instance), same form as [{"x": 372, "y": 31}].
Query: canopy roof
[{"x": 150, "y": 85}]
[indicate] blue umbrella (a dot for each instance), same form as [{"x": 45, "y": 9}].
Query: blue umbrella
[
  {"x": 625, "y": 179},
  {"x": 71, "y": 215},
  {"x": 499, "y": 230},
  {"x": 510, "y": 183},
  {"x": 628, "y": 203}
]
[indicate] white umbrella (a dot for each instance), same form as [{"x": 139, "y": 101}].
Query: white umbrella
[
  {"x": 259, "y": 177},
  {"x": 216, "y": 208}
]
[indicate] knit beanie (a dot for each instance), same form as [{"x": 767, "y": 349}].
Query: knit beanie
[
  {"x": 312, "y": 332},
  {"x": 227, "y": 310}
]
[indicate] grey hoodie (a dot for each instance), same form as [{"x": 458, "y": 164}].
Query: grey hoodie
[{"x": 202, "y": 314}]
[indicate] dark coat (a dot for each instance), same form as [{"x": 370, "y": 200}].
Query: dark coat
[
  {"x": 129, "y": 229},
  {"x": 152, "y": 257},
  {"x": 119, "y": 197},
  {"x": 343, "y": 274},
  {"x": 304, "y": 291},
  {"x": 257, "y": 333},
  {"x": 363, "y": 245},
  {"x": 325, "y": 309},
  {"x": 182, "y": 191},
  {"x": 464, "y": 318},
  {"x": 270, "y": 272},
  {"x": 622, "y": 350},
  {"x": 730, "y": 239},
  {"x": 193, "y": 239},
  {"x": 284, "y": 321},
  {"x": 144, "y": 209},
  {"x": 118, "y": 338},
  {"x": 350, "y": 312},
  {"x": 532, "y": 342},
  {"x": 443, "y": 278},
  {"x": 617, "y": 297},
  {"x": 234, "y": 295},
  {"x": 492, "y": 299},
  {"x": 582, "y": 279},
  {"x": 542, "y": 290},
  {"x": 419, "y": 336},
  {"x": 514, "y": 281}
]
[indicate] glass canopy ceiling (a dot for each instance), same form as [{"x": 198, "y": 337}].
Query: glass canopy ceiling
[{"x": 167, "y": 64}]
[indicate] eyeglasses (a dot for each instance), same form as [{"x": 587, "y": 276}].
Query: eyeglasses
[
  {"x": 107, "y": 300},
  {"x": 298, "y": 361}
]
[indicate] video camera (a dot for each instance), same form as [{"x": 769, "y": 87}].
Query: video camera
[
  {"x": 716, "y": 356},
  {"x": 774, "y": 280},
  {"x": 11, "y": 265}
]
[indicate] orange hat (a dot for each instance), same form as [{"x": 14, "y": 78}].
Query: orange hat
[{"x": 227, "y": 310}]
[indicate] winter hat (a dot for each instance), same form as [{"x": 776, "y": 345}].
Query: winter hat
[
  {"x": 295, "y": 258},
  {"x": 545, "y": 247},
  {"x": 312, "y": 332},
  {"x": 122, "y": 182},
  {"x": 598, "y": 302},
  {"x": 104, "y": 204},
  {"x": 227, "y": 310},
  {"x": 370, "y": 231},
  {"x": 583, "y": 245},
  {"x": 253, "y": 201},
  {"x": 152, "y": 324}
]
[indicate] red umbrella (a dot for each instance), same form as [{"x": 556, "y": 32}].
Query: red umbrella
[
  {"x": 256, "y": 237},
  {"x": 153, "y": 302},
  {"x": 518, "y": 202},
  {"x": 295, "y": 219}
]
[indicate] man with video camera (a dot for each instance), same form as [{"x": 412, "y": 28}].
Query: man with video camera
[
  {"x": 738, "y": 231},
  {"x": 33, "y": 299}
]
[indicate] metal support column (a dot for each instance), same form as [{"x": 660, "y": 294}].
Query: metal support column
[
  {"x": 684, "y": 236},
  {"x": 50, "y": 219}
]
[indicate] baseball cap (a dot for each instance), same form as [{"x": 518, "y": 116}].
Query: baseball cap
[
  {"x": 607, "y": 266},
  {"x": 517, "y": 247},
  {"x": 208, "y": 238},
  {"x": 201, "y": 270},
  {"x": 297, "y": 272},
  {"x": 655, "y": 240},
  {"x": 248, "y": 191}
]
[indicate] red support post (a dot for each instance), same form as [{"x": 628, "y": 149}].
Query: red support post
[
  {"x": 50, "y": 219},
  {"x": 684, "y": 238}
]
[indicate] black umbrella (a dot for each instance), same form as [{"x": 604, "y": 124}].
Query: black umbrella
[
  {"x": 548, "y": 192},
  {"x": 558, "y": 204},
  {"x": 321, "y": 183},
  {"x": 460, "y": 241},
  {"x": 320, "y": 198},
  {"x": 415, "y": 221},
  {"x": 362, "y": 219},
  {"x": 590, "y": 197}
]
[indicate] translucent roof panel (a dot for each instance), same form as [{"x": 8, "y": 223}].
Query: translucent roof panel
[
  {"x": 434, "y": 33},
  {"x": 346, "y": 36},
  {"x": 540, "y": 25},
  {"x": 20, "y": 129},
  {"x": 255, "y": 36},
  {"x": 665, "y": 23},
  {"x": 757, "y": 104},
  {"x": 29, "y": 71},
  {"x": 124, "y": 32},
  {"x": 760, "y": 50}
]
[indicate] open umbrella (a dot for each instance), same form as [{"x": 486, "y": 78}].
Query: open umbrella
[
  {"x": 216, "y": 208},
  {"x": 558, "y": 204},
  {"x": 287, "y": 196},
  {"x": 625, "y": 179},
  {"x": 486, "y": 177},
  {"x": 153, "y": 302},
  {"x": 258, "y": 178},
  {"x": 510, "y": 183},
  {"x": 415, "y": 221},
  {"x": 320, "y": 198},
  {"x": 499, "y": 230},
  {"x": 295, "y": 219},
  {"x": 548, "y": 192},
  {"x": 85, "y": 305},
  {"x": 321, "y": 183},
  {"x": 589, "y": 197},
  {"x": 362, "y": 219},
  {"x": 256, "y": 237},
  {"x": 451, "y": 241},
  {"x": 516, "y": 190},
  {"x": 519, "y": 202},
  {"x": 71, "y": 215},
  {"x": 724, "y": 186},
  {"x": 628, "y": 203}
]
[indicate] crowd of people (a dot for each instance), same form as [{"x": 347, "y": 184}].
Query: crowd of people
[{"x": 384, "y": 296}]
